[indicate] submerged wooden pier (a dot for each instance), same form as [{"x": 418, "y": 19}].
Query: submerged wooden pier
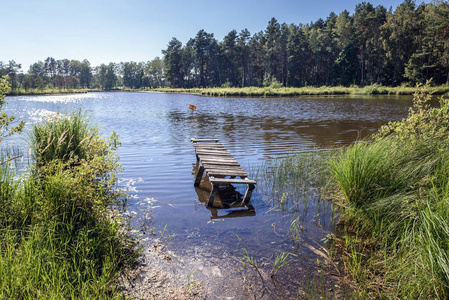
[{"x": 221, "y": 168}]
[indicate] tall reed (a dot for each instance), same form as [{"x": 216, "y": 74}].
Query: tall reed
[{"x": 62, "y": 137}]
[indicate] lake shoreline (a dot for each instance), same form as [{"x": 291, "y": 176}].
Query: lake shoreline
[
  {"x": 256, "y": 92},
  {"x": 287, "y": 92}
]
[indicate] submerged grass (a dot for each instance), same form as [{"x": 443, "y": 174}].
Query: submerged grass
[
  {"x": 291, "y": 181},
  {"x": 61, "y": 235}
]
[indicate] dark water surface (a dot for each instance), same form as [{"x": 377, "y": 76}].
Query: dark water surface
[{"x": 158, "y": 158}]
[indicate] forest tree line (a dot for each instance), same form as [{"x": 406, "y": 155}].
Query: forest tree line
[
  {"x": 73, "y": 74},
  {"x": 372, "y": 46},
  {"x": 407, "y": 45}
]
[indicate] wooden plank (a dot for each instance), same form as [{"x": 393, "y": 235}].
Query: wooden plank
[
  {"x": 216, "y": 156},
  {"x": 220, "y": 152},
  {"x": 216, "y": 172},
  {"x": 238, "y": 173},
  {"x": 210, "y": 149},
  {"x": 205, "y": 157},
  {"x": 230, "y": 169},
  {"x": 208, "y": 145},
  {"x": 194, "y": 140},
  {"x": 222, "y": 167},
  {"x": 220, "y": 162},
  {"x": 231, "y": 181}
]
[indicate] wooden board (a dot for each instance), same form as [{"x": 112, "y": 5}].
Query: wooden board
[
  {"x": 194, "y": 140},
  {"x": 231, "y": 181},
  {"x": 215, "y": 156},
  {"x": 207, "y": 151},
  {"x": 208, "y": 145},
  {"x": 222, "y": 167},
  {"x": 219, "y": 148},
  {"x": 220, "y": 162},
  {"x": 218, "y": 172}
]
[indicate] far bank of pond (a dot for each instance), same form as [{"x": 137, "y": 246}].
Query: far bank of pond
[
  {"x": 50, "y": 91},
  {"x": 278, "y": 91},
  {"x": 269, "y": 91},
  {"x": 200, "y": 248}
]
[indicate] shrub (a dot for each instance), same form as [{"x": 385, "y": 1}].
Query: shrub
[{"x": 60, "y": 234}]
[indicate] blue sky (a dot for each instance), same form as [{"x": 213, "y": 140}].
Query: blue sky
[{"x": 137, "y": 30}]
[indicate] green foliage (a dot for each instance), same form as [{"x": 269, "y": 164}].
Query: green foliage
[
  {"x": 61, "y": 234},
  {"x": 345, "y": 67},
  {"x": 292, "y": 181},
  {"x": 105, "y": 76},
  {"x": 371, "y": 46},
  {"x": 6, "y": 120},
  {"x": 396, "y": 186},
  {"x": 247, "y": 258},
  {"x": 60, "y": 237},
  {"x": 422, "y": 121},
  {"x": 68, "y": 138}
]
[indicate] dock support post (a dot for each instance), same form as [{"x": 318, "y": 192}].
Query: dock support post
[
  {"x": 249, "y": 192},
  {"x": 212, "y": 195},
  {"x": 199, "y": 176}
]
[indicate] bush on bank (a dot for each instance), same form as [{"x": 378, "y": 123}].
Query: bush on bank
[
  {"x": 397, "y": 188},
  {"x": 60, "y": 233}
]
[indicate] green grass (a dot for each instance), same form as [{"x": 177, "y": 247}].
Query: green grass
[
  {"x": 272, "y": 91},
  {"x": 396, "y": 233},
  {"x": 392, "y": 191},
  {"x": 69, "y": 137},
  {"x": 61, "y": 234}
]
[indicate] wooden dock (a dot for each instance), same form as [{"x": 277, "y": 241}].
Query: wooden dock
[{"x": 221, "y": 168}]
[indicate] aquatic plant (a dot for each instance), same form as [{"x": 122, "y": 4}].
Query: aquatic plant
[
  {"x": 164, "y": 240},
  {"x": 279, "y": 262},
  {"x": 292, "y": 181},
  {"x": 247, "y": 258},
  {"x": 190, "y": 282}
]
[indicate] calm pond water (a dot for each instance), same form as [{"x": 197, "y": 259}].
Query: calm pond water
[{"x": 158, "y": 159}]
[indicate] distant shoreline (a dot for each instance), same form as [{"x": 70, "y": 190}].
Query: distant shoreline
[
  {"x": 268, "y": 92},
  {"x": 271, "y": 92},
  {"x": 47, "y": 92}
]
